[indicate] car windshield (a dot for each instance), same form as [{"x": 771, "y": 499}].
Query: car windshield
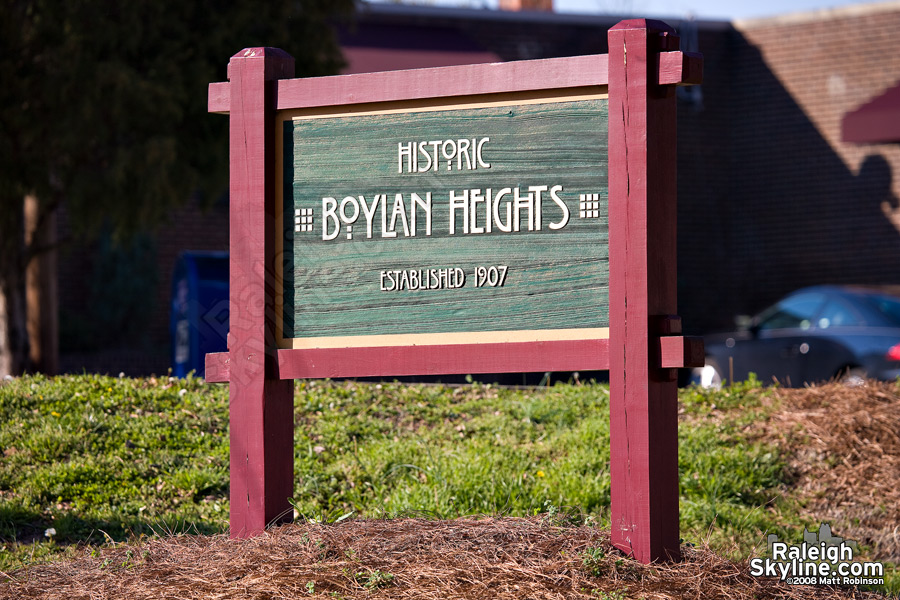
[
  {"x": 888, "y": 307},
  {"x": 792, "y": 312}
]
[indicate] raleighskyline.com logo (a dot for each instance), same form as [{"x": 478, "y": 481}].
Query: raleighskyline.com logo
[{"x": 821, "y": 559}]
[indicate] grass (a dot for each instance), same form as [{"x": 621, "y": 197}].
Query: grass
[
  {"x": 732, "y": 488},
  {"x": 90, "y": 459},
  {"x": 99, "y": 459},
  {"x": 397, "y": 450}
]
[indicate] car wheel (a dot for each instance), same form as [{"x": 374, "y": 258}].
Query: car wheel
[
  {"x": 707, "y": 376},
  {"x": 853, "y": 377}
]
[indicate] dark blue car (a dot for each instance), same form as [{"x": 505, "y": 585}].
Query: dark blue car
[{"x": 813, "y": 335}]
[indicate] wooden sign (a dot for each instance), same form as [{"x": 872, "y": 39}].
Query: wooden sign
[
  {"x": 492, "y": 218},
  {"x": 460, "y": 224}
]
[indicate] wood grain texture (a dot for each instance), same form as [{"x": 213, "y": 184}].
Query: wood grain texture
[
  {"x": 438, "y": 82},
  {"x": 555, "y": 279},
  {"x": 680, "y": 68},
  {"x": 376, "y": 361},
  {"x": 261, "y": 407},
  {"x": 678, "y": 352},
  {"x": 450, "y": 338},
  {"x": 218, "y": 98},
  {"x": 218, "y": 367},
  {"x": 643, "y": 402},
  {"x": 567, "y": 355}
]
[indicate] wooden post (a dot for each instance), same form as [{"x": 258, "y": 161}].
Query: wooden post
[
  {"x": 261, "y": 406},
  {"x": 645, "y": 346},
  {"x": 642, "y": 212}
]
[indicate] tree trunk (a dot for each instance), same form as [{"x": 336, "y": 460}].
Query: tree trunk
[{"x": 41, "y": 289}]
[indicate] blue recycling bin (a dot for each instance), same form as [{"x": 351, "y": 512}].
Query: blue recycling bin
[{"x": 199, "y": 317}]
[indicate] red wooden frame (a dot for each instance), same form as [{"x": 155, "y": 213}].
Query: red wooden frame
[
  {"x": 645, "y": 346},
  {"x": 642, "y": 202}
]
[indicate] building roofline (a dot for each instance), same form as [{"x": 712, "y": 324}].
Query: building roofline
[
  {"x": 536, "y": 17},
  {"x": 818, "y": 15}
]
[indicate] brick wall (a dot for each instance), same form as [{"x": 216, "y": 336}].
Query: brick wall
[
  {"x": 808, "y": 208},
  {"x": 146, "y": 349},
  {"x": 705, "y": 210}
]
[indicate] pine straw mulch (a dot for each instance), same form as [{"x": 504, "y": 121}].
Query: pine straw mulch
[
  {"x": 843, "y": 445},
  {"x": 496, "y": 558}
]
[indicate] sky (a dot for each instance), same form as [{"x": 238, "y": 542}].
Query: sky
[{"x": 700, "y": 9}]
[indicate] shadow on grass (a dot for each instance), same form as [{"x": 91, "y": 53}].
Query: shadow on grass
[{"x": 22, "y": 527}]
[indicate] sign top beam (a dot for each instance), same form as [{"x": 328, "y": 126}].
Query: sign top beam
[{"x": 676, "y": 68}]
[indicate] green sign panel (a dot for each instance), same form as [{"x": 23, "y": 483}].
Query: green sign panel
[{"x": 484, "y": 219}]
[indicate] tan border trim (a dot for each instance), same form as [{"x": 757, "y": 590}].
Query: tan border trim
[
  {"x": 452, "y": 338},
  {"x": 436, "y": 104},
  {"x": 430, "y": 339}
]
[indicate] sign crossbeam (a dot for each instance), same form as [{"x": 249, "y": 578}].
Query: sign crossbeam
[
  {"x": 676, "y": 68},
  {"x": 508, "y": 217},
  {"x": 676, "y": 351}
]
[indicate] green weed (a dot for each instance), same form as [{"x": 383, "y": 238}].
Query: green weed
[
  {"x": 592, "y": 559},
  {"x": 372, "y": 580}
]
